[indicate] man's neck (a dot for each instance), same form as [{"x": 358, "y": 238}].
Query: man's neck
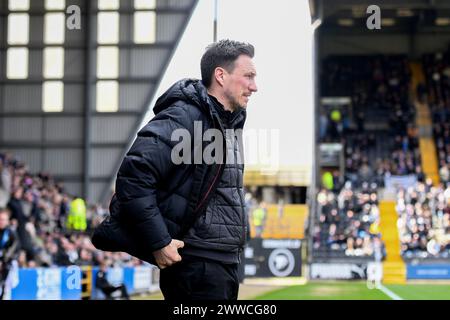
[{"x": 224, "y": 102}]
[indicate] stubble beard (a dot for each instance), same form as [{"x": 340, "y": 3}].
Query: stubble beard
[{"x": 234, "y": 103}]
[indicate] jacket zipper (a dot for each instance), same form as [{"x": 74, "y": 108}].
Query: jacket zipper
[
  {"x": 215, "y": 178},
  {"x": 242, "y": 204},
  {"x": 209, "y": 190},
  {"x": 213, "y": 183}
]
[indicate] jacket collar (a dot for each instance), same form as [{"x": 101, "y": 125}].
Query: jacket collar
[{"x": 230, "y": 119}]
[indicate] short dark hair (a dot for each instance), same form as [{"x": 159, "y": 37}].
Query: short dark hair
[{"x": 222, "y": 54}]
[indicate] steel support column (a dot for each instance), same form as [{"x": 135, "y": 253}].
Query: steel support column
[
  {"x": 313, "y": 189},
  {"x": 88, "y": 103}
]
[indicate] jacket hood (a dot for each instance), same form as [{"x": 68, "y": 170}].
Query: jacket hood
[{"x": 191, "y": 91}]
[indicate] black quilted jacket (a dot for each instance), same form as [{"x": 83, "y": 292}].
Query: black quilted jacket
[
  {"x": 220, "y": 233},
  {"x": 160, "y": 200}
]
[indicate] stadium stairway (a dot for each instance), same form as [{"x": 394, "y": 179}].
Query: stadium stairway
[
  {"x": 424, "y": 123},
  {"x": 394, "y": 269},
  {"x": 429, "y": 158},
  {"x": 417, "y": 76}
]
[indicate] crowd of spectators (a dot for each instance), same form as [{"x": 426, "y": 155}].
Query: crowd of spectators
[
  {"x": 442, "y": 136},
  {"x": 404, "y": 159},
  {"x": 424, "y": 210},
  {"x": 378, "y": 87},
  {"x": 437, "y": 93},
  {"x": 39, "y": 211},
  {"x": 358, "y": 168},
  {"x": 348, "y": 217},
  {"x": 379, "y": 83},
  {"x": 424, "y": 220},
  {"x": 406, "y": 155},
  {"x": 349, "y": 222}
]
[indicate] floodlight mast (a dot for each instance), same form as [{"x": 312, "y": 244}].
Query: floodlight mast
[{"x": 215, "y": 21}]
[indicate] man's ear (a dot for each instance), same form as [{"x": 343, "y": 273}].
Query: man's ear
[{"x": 219, "y": 74}]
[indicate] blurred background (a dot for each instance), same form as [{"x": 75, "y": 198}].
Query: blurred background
[{"x": 347, "y": 182}]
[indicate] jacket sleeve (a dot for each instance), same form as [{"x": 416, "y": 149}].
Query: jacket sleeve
[{"x": 148, "y": 163}]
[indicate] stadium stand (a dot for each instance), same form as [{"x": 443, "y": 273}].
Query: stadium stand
[
  {"x": 379, "y": 89},
  {"x": 424, "y": 209},
  {"x": 380, "y": 139},
  {"x": 39, "y": 210},
  {"x": 348, "y": 224},
  {"x": 424, "y": 221},
  {"x": 437, "y": 74}
]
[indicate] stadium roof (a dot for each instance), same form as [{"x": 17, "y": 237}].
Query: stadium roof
[{"x": 396, "y": 15}]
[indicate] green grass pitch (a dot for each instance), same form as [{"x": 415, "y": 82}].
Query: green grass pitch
[{"x": 358, "y": 290}]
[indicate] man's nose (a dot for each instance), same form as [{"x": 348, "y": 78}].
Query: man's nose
[{"x": 253, "y": 87}]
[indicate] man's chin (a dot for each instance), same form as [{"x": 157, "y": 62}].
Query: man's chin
[
  {"x": 243, "y": 105},
  {"x": 239, "y": 106}
]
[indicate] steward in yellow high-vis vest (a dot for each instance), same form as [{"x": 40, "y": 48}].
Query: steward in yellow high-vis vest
[{"x": 77, "y": 215}]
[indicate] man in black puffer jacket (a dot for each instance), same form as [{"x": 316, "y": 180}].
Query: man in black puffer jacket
[{"x": 191, "y": 214}]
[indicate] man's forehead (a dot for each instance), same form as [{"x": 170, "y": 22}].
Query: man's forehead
[{"x": 246, "y": 64}]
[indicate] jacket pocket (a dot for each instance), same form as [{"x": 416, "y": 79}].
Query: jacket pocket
[
  {"x": 202, "y": 227},
  {"x": 209, "y": 212}
]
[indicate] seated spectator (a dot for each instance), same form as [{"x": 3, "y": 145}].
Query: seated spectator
[
  {"x": 102, "y": 283},
  {"x": 444, "y": 172}
]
